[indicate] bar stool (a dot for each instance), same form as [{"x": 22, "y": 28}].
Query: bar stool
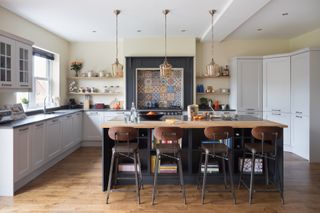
[
  {"x": 266, "y": 149},
  {"x": 219, "y": 151},
  {"x": 172, "y": 151},
  {"x": 123, "y": 147}
]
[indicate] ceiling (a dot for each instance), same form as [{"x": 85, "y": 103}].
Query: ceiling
[{"x": 76, "y": 20}]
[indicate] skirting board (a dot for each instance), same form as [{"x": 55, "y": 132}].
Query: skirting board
[{"x": 91, "y": 143}]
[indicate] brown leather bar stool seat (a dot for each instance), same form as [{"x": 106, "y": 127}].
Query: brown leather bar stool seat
[
  {"x": 124, "y": 147},
  {"x": 266, "y": 149},
  {"x": 171, "y": 151},
  {"x": 217, "y": 150}
]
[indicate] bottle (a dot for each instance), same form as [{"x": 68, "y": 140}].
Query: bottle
[{"x": 133, "y": 113}]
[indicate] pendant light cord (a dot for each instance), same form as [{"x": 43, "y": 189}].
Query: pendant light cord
[
  {"x": 116, "y": 36},
  {"x": 212, "y": 45},
  {"x": 165, "y": 36}
]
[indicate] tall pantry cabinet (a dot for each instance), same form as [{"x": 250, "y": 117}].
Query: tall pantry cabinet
[
  {"x": 276, "y": 93},
  {"x": 246, "y": 85},
  {"x": 305, "y": 103}
]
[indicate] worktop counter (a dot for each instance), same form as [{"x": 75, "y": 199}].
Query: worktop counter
[{"x": 199, "y": 124}]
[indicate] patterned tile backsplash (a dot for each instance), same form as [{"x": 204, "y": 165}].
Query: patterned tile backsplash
[{"x": 155, "y": 91}]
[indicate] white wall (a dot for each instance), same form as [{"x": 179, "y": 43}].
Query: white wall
[
  {"x": 310, "y": 39},
  {"x": 42, "y": 38},
  {"x": 97, "y": 56}
]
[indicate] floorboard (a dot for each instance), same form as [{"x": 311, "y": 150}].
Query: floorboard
[{"x": 74, "y": 185}]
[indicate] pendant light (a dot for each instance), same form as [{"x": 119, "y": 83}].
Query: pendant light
[
  {"x": 212, "y": 68},
  {"x": 117, "y": 68},
  {"x": 165, "y": 67}
]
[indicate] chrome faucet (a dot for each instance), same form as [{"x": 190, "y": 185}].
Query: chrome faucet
[
  {"x": 44, "y": 105},
  {"x": 210, "y": 105}
]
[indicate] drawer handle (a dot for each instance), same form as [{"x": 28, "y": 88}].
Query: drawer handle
[
  {"x": 24, "y": 129},
  {"x": 54, "y": 120},
  {"x": 298, "y": 112},
  {"x": 6, "y": 85},
  {"x": 276, "y": 113},
  {"x": 276, "y": 110},
  {"x": 298, "y": 116},
  {"x": 250, "y": 109},
  {"x": 41, "y": 124},
  {"x": 250, "y": 113},
  {"x": 69, "y": 116}
]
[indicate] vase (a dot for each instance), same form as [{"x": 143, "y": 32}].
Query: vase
[{"x": 77, "y": 73}]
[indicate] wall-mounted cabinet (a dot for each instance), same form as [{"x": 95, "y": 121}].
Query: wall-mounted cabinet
[{"x": 15, "y": 62}]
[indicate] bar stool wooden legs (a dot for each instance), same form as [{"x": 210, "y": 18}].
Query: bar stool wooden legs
[
  {"x": 267, "y": 150},
  {"x": 125, "y": 148},
  {"x": 219, "y": 151},
  {"x": 172, "y": 151}
]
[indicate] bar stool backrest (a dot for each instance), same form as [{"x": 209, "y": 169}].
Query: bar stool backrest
[
  {"x": 267, "y": 133},
  {"x": 218, "y": 133},
  {"x": 168, "y": 133},
  {"x": 123, "y": 134}
]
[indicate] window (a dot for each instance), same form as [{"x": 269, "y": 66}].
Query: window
[{"x": 42, "y": 78}]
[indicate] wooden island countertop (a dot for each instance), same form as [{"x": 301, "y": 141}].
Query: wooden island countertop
[{"x": 195, "y": 124}]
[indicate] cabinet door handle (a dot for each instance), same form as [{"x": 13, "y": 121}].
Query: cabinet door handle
[
  {"x": 24, "y": 129},
  {"x": 41, "y": 124},
  {"x": 54, "y": 120},
  {"x": 69, "y": 116},
  {"x": 23, "y": 85},
  {"x": 250, "y": 109},
  {"x": 250, "y": 113},
  {"x": 298, "y": 112},
  {"x": 276, "y": 113},
  {"x": 276, "y": 110},
  {"x": 298, "y": 116}
]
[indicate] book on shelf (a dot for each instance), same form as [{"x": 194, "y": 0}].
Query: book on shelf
[
  {"x": 155, "y": 141},
  {"x": 258, "y": 166},
  {"x": 126, "y": 167},
  {"x": 211, "y": 168},
  {"x": 164, "y": 167},
  {"x": 227, "y": 142}
]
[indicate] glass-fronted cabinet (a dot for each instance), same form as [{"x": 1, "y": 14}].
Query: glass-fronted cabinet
[
  {"x": 24, "y": 65},
  {"x": 6, "y": 62},
  {"x": 15, "y": 62}
]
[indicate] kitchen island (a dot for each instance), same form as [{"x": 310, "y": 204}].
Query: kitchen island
[{"x": 191, "y": 141}]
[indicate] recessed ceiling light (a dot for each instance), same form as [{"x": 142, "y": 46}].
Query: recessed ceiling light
[
  {"x": 94, "y": 31},
  {"x": 183, "y": 30},
  {"x": 285, "y": 14},
  {"x": 139, "y": 31},
  {"x": 259, "y": 29}
]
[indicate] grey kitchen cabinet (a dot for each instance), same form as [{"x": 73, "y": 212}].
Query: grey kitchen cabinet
[
  {"x": 91, "y": 126},
  {"x": 54, "y": 138},
  {"x": 22, "y": 163},
  {"x": 246, "y": 85},
  {"x": 67, "y": 134},
  {"x": 38, "y": 141},
  {"x": 276, "y": 84},
  {"x": 15, "y": 62}
]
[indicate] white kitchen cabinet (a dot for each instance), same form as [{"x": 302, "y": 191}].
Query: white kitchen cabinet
[
  {"x": 22, "y": 164},
  {"x": 300, "y": 84},
  {"x": 300, "y": 136},
  {"x": 67, "y": 133},
  {"x": 92, "y": 130},
  {"x": 251, "y": 113},
  {"x": 283, "y": 118},
  {"x": 77, "y": 127},
  {"x": 53, "y": 146},
  {"x": 276, "y": 84},
  {"x": 15, "y": 62},
  {"x": 38, "y": 140}
]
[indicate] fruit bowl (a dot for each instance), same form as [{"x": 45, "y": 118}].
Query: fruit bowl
[{"x": 152, "y": 116}]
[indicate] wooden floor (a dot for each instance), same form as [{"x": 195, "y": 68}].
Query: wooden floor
[{"x": 74, "y": 185}]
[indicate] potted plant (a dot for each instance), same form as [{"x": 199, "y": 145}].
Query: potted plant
[
  {"x": 25, "y": 103},
  {"x": 76, "y": 66}
]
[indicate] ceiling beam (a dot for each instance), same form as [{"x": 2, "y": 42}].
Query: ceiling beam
[{"x": 235, "y": 13}]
